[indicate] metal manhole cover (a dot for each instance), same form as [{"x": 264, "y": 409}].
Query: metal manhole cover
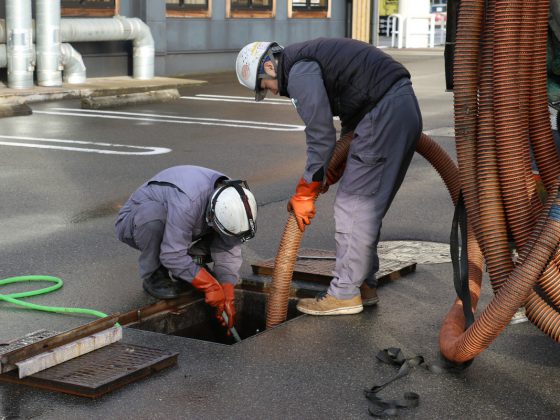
[{"x": 100, "y": 371}]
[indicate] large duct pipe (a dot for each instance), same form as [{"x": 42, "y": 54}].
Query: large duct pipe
[
  {"x": 88, "y": 30},
  {"x": 19, "y": 36},
  {"x": 47, "y": 35},
  {"x": 69, "y": 59},
  {"x": 117, "y": 28}
]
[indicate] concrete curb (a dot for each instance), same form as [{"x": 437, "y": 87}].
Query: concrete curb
[
  {"x": 14, "y": 110},
  {"x": 100, "y": 87},
  {"x": 113, "y": 101}
]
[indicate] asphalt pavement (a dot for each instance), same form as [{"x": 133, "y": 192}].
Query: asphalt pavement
[{"x": 65, "y": 172}]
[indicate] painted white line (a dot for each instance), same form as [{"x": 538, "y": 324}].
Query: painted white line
[
  {"x": 135, "y": 116},
  {"x": 145, "y": 150},
  {"x": 242, "y": 99},
  {"x": 238, "y": 99},
  {"x": 289, "y": 101}
]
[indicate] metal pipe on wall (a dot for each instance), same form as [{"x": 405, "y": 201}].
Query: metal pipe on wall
[
  {"x": 117, "y": 28},
  {"x": 74, "y": 67},
  {"x": 19, "y": 34},
  {"x": 87, "y": 30},
  {"x": 3, "y": 56},
  {"x": 47, "y": 35}
]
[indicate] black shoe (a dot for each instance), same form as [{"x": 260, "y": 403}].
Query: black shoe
[
  {"x": 160, "y": 286},
  {"x": 183, "y": 287}
]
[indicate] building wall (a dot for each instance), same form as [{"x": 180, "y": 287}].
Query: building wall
[{"x": 194, "y": 45}]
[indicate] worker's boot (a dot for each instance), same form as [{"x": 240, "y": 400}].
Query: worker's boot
[
  {"x": 369, "y": 295},
  {"x": 182, "y": 287},
  {"x": 160, "y": 285},
  {"x": 329, "y": 305}
]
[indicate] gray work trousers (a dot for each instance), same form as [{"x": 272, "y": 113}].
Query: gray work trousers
[
  {"x": 149, "y": 224},
  {"x": 381, "y": 150}
]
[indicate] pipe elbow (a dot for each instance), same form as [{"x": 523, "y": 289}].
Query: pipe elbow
[{"x": 74, "y": 67}]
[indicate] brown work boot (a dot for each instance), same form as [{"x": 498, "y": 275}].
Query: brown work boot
[
  {"x": 329, "y": 305},
  {"x": 369, "y": 295}
]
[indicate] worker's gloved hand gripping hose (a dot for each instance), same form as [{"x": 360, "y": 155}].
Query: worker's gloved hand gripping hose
[{"x": 302, "y": 204}]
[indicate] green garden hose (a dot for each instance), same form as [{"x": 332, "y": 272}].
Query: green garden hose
[{"x": 14, "y": 298}]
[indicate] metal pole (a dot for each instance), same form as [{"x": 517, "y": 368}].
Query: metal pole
[{"x": 375, "y": 23}]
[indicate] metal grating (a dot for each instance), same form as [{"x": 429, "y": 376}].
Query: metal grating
[{"x": 100, "y": 371}]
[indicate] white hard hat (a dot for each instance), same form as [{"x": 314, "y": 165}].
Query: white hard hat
[
  {"x": 232, "y": 210},
  {"x": 248, "y": 63}
]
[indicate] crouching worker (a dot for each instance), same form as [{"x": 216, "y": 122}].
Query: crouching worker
[{"x": 182, "y": 219}]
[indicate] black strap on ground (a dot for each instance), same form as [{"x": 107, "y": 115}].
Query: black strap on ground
[
  {"x": 379, "y": 407},
  {"x": 459, "y": 258}
]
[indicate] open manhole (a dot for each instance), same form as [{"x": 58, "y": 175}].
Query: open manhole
[{"x": 197, "y": 320}]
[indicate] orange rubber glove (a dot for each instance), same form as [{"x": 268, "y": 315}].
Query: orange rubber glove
[
  {"x": 213, "y": 292},
  {"x": 229, "y": 304},
  {"x": 302, "y": 202}
]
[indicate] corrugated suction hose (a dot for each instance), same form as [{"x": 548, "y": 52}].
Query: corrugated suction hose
[
  {"x": 277, "y": 304},
  {"x": 500, "y": 115}
]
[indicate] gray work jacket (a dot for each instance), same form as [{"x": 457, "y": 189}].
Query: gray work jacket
[{"x": 185, "y": 221}]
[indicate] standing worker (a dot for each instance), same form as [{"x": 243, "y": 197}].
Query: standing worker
[
  {"x": 181, "y": 220},
  {"x": 373, "y": 96}
]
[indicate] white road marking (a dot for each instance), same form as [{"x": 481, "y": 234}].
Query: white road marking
[
  {"x": 243, "y": 99},
  {"x": 137, "y": 116},
  {"x": 145, "y": 150},
  {"x": 239, "y": 99}
]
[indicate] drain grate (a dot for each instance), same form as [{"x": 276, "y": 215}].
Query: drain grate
[{"x": 100, "y": 371}]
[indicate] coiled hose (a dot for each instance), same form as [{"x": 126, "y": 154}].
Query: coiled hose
[{"x": 501, "y": 115}]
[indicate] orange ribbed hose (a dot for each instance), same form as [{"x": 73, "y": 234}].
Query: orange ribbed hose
[
  {"x": 493, "y": 229},
  {"x": 459, "y": 346},
  {"x": 509, "y": 118},
  {"x": 506, "y": 105},
  {"x": 279, "y": 294}
]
